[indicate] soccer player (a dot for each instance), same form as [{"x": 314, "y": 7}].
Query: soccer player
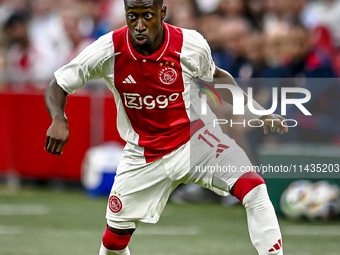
[{"x": 150, "y": 67}]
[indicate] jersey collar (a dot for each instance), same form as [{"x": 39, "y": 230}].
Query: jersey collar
[{"x": 157, "y": 55}]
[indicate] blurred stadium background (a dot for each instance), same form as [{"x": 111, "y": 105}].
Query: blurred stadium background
[{"x": 263, "y": 43}]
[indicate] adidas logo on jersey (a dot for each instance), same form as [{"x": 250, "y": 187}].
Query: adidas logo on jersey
[
  {"x": 129, "y": 80},
  {"x": 276, "y": 247}
]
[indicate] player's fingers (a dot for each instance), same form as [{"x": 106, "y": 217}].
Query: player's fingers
[
  {"x": 47, "y": 141},
  {"x": 283, "y": 125},
  {"x": 55, "y": 146},
  {"x": 280, "y": 130},
  {"x": 272, "y": 129},
  {"x": 60, "y": 148},
  {"x": 265, "y": 129},
  {"x": 50, "y": 144}
]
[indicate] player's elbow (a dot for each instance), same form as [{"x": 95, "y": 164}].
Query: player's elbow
[
  {"x": 55, "y": 88},
  {"x": 220, "y": 73}
]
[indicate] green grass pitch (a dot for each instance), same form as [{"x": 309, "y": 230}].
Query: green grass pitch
[{"x": 44, "y": 222}]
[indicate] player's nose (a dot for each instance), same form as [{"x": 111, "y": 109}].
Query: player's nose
[{"x": 140, "y": 27}]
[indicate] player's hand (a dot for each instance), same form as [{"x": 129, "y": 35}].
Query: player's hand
[
  {"x": 57, "y": 136},
  {"x": 274, "y": 122}
]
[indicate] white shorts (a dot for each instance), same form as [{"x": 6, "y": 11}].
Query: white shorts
[{"x": 140, "y": 192}]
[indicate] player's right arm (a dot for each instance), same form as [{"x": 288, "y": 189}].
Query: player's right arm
[
  {"x": 57, "y": 134},
  {"x": 86, "y": 66}
]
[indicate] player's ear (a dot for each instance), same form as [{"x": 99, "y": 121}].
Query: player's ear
[{"x": 163, "y": 12}]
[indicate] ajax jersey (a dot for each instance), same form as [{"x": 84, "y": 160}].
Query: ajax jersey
[{"x": 155, "y": 95}]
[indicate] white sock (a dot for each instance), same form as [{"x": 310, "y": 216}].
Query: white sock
[
  {"x": 104, "y": 251},
  {"x": 264, "y": 229}
]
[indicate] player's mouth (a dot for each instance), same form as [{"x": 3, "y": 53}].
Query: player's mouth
[{"x": 140, "y": 39}]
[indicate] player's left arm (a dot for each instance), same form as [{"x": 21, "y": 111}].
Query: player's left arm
[{"x": 274, "y": 122}]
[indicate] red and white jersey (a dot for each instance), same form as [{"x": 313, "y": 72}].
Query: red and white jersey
[{"x": 155, "y": 95}]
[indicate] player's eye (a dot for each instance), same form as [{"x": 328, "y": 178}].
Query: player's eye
[
  {"x": 148, "y": 15},
  {"x": 131, "y": 16}
]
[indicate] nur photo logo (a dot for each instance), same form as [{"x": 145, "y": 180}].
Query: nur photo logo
[{"x": 239, "y": 108}]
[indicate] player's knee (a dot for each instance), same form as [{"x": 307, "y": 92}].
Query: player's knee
[
  {"x": 116, "y": 239},
  {"x": 245, "y": 184}
]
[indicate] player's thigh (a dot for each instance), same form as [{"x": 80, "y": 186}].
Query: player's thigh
[
  {"x": 139, "y": 193},
  {"x": 216, "y": 160}
]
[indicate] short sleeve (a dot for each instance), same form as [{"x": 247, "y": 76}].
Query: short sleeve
[
  {"x": 197, "y": 55},
  {"x": 207, "y": 68},
  {"x": 86, "y": 66}
]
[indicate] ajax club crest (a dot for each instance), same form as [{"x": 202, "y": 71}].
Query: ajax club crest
[
  {"x": 115, "y": 204},
  {"x": 167, "y": 75}
]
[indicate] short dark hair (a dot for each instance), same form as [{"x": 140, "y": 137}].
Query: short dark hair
[{"x": 155, "y": 2}]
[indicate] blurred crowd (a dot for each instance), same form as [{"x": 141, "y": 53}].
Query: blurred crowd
[
  {"x": 269, "y": 43},
  {"x": 39, "y": 36},
  {"x": 255, "y": 40}
]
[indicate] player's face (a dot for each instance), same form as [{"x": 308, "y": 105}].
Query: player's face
[{"x": 145, "y": 21}]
